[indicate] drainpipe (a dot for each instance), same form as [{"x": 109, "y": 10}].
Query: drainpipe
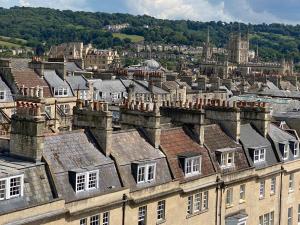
[
  {"x": 280, "y": 197},
  {"x": 123, "y": 209},
  {"x": 220, "y": 205},
  {"x": 217, "y": 201}
]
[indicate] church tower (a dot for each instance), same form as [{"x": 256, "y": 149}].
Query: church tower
[{"x": 207, "y": 49}]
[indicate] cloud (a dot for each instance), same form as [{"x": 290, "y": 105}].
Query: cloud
[
  {"x": 180, "y": 9},
  {"x": 208, "y": 10},
  {"x": 254, "y": 11}
]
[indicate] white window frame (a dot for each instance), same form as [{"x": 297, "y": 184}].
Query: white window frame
[
  {"x": 267, "y": 219},
  {"x": 106, "y": 218},
  {"x": 273, "y": 185},
  {"x": 96, "y": 220},
  {"x": 60, "y": 92},
  {"x": 190, "y": 206},
  {"x": 83, "y": 221},
  {"x": 259, "y": 155},
  {"x": 225, "y": 157},
  {"x": 65, "y": 108},
  {"x": 296, "y": 149},
  {"x": 204, "y": 200},
  {"x": 161, "y": 210},
  {"x": 242, "y": 192},
  {"x": 286, "y": 149},
  {"x": 8, "y": 187},
  {"x": 192, "y": 162},
  {"x": 145, "y": 177},
  {"x": 142, "y": 214},
  {"x": 86, "y": 181},
  {"x": 229, "y": 197},
  {"x": 262, "y": 187}
]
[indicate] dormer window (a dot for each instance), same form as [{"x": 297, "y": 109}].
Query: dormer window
[
  {"x": 146, "y": 173},
  {"x": 87, "y": 181},
  {"x": 60, "y": 92},
  {"x": 190, "y": 163},
  {"x": 227, "y": 159},
  {"x": 11, "y": 187},
  {"x": 192, "y": 166},
  {"x": 259, "y": 155}
]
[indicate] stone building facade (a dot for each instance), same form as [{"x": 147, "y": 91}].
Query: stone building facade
[{"x": 209, "y": 162}]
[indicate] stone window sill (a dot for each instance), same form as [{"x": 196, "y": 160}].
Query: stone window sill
[
  {"x": 229, "y": 206},
  {"x": 160, "y": 221},
  {"x": 196, "y": 213},
  {"x": 242, "y": 201}
]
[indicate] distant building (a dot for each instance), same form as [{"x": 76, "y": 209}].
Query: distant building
[
  {"x": 117, "y": 27},
  {"x": 238, "y": 48}
]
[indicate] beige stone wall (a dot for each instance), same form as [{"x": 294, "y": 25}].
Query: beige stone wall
[{"x": 34, "y": 211}]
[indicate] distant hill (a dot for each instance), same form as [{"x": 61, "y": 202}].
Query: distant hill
[{"x": 49, "y": 26}]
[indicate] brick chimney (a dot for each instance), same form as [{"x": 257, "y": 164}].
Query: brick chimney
[
  {"x": 27, "y": 128},
  {"x": 141, "y": 115},
  {"x": 98, "y": 119}
]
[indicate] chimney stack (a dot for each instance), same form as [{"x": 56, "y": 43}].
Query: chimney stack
[
  {"x": 96, "y": 117},
  {"x": 135, "y": 115},
  {"x": 27, "y": 131}
]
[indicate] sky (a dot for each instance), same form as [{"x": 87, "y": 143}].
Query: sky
[{"x": 247, "y": 11}]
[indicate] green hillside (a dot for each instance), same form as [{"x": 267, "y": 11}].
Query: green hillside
[
  {"x": 50, "y": 26},
  {"x": 132, "y": 38}
]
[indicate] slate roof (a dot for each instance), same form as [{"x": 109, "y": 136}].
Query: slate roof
[
  {"x": 109, "y": 86},
  {"x": 72, "y": 67},
  {"x": 175, "y": 142},
  {"x": 37, "y": 189},
  {"x": 156, "y": 90},
  {"x": 250, "y": 140},
  {"x": 77, "y": 82},
  {"x": 215, "y": 139},
  {"x": 130, "y": 147},
  {"x": 8, "y": 93},
  {"x": 54, "y": 80},
  {"x": 76, "y": 150},
  {"x": 279, "y": 136},
  {"x": 137, "y": 87}
]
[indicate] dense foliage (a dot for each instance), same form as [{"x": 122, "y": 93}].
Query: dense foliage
[{"x": 49, "y": 26}]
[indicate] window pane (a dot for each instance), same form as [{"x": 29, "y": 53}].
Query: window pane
[
  {"x": 188, "y": 166},
  {"x": 161, "y": 210},
  {"x": 190, "y": 205},
  {"x": 196, "y": 165},
  {"x": 2, "y": 189},
  {"x": 141, "y": 174},
  {"x": 151, "y": 170},
  {"x": 105, "y": 218},
  {"x": 83, "y": 221},
  {"x": 15, "y": 187},
  {"x": 205, "y": 200},
  {"x": 197, "y": 204},
  {"x": 142, "y": 215},
  {"x": 92, "y": 180},
  {"x": 95, "y": 220},
  {"x": 80, "y": 182}
]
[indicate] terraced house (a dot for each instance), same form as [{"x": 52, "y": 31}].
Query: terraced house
[{"x": 211, "y": 162}]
